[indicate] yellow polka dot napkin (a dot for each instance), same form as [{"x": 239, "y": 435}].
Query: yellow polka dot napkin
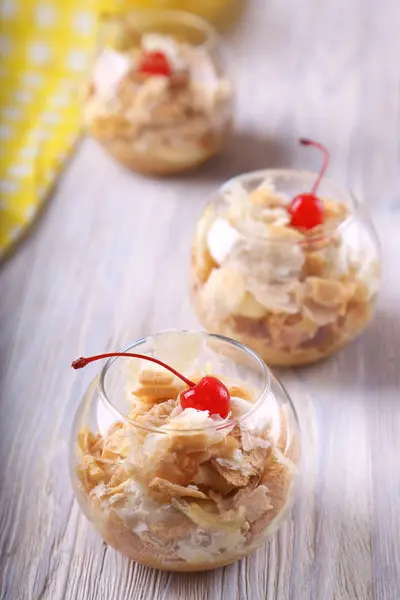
[{"x": 45, "y": 49}]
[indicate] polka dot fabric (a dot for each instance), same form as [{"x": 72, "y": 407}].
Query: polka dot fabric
[{"x": 45, "y": 52}]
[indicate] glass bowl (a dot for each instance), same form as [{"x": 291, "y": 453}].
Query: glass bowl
[
  {"x": 294, "y": 296},
  {"x": 157, "y": 114},
  {"x": 183, "y": 490}
]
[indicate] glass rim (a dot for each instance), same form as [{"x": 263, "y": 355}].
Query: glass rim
[
  {"x": 172, "y": 15},
  {"x": 304, "y": 174},
  {"x": 268, "y": 376}
]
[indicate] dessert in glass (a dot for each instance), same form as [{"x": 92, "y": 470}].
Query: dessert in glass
[
  {"x": 189, "y": 465},
  {"x": 291, "y": 274},
  {"x": 158, "y": 99}
]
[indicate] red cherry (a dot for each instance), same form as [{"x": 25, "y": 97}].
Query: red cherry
[
  {"x": 155, "y": 63},
  {"x": 307, "y": 210},
  {"x": 209, "y": 394}
]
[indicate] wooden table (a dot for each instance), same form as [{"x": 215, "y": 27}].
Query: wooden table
[{"x": 108, "y": 263}]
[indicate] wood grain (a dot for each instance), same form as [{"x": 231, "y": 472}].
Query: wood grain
[{"x": 108, "y": 264}]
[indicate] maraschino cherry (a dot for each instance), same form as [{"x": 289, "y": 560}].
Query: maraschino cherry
[
  {"x": 155, "y": 63},
  {"x": 307, "y": 210},
  {"x": 208, "y": 394}
]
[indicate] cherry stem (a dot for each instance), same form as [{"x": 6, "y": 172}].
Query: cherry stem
[
  {"x": 327, "y": 157},
  {"x": 81, "y": 362}
]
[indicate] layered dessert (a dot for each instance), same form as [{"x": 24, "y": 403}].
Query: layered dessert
[
  {"x": 192, "y": 478},
  {"x": 158, "y": 103},
  {"x": 293, "y": 278}
]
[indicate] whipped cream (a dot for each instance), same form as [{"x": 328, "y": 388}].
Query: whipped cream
[
  {"x": 221, "y": 239},
  {"x": 202, "y": 69},
  {"x": 110, "y": 68}
]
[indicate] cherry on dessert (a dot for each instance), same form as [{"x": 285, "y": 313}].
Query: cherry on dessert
[
  {"x": 155, "y": 63},
  {"x": 306, "y": 210},
  {"x": 208, "y": 394}
]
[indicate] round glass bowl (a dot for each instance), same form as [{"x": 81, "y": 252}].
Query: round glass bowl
[
  {"x": 183, "y": 490},
  {"x": 294, "y": 296},
  {"x": 158, "y": 99}
]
